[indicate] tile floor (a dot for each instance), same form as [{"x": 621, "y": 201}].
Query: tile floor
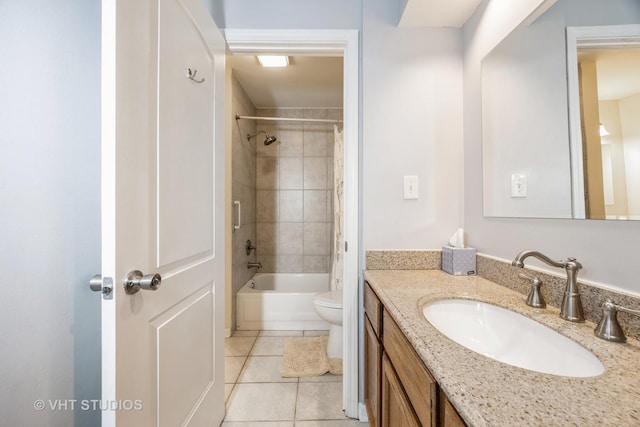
[{"x": 257, "y": 396}]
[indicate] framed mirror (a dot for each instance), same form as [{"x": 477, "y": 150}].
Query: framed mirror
[{"x": 533, "y": 161}]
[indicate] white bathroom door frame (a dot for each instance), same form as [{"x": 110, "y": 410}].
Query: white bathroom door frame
[{"x": 329, "y": 43}]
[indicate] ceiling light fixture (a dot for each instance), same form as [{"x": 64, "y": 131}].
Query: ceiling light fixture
[
  {"x": 603, "y": 130},
  {"x": 273, "y": 60}
]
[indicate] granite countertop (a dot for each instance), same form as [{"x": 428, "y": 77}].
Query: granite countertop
[{"x": 490, "y": 393}]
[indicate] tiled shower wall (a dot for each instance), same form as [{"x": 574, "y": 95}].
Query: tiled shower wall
[
  {"x": 294, "y": 199},
  {"x": 243, "y": 188}
]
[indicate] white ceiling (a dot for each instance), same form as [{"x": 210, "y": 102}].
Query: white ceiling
[
  {"x": 308, "y": 82},
  {"x": 316, "y": 82},
  {"x": 437, "y": 13}
]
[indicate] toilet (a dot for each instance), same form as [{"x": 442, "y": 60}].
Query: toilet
[{"x": 328, "y": 305}]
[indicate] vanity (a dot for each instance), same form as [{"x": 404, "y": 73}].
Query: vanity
[
  {"x": 399, "y": 388},
  {"x": 416, "y": 376}
]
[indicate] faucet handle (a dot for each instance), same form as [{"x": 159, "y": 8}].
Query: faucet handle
[
  {"x": 608, "y": 327},
  {"x": 534, "y": 299},
  {"x": 572, "y": 264}
]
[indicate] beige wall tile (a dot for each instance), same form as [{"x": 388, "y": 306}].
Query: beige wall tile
[
  {"x": 315, "y": 173},
  {"x": 291, "y": 173}
]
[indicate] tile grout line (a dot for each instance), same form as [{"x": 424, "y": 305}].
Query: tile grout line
[{"x": 295, "y": 404}]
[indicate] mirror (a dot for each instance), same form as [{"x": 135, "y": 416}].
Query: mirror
[{"x": 530, "y": 167}]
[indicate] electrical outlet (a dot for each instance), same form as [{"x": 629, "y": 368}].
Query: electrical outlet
[{"x": 410, "y": 187}]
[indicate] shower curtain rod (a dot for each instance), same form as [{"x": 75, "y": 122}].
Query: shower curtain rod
[{"x": 288, "y": 119}]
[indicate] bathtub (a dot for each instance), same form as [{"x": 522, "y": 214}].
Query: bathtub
[{"x": 280, "y": 301}]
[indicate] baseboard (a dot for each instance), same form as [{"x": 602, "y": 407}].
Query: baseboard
[{"x": 363, "y": 416}]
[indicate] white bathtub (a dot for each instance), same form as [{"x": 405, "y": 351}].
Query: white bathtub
[{"x": 280, "y": 301}]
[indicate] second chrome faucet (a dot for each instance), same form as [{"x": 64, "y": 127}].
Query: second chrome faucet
[{"x": 571, "y": 307}]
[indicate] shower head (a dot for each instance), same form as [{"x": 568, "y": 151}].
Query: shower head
[{"x": 268, "y": 140}]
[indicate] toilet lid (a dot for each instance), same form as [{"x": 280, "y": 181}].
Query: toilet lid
[{"x": 332, "y": 299}]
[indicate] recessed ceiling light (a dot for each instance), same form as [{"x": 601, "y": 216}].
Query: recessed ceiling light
[{"x": 273, "y": 60}]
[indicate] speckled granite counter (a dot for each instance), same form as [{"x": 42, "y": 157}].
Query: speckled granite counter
[{"x": 490, "y": 393}]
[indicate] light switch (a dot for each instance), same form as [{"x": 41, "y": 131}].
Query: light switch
[
  {"x": 518, "y": 185},
  {"x": 410, "y": 187}
]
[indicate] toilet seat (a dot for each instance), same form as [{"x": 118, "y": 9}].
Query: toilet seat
[{"x": 331, "y": 299}]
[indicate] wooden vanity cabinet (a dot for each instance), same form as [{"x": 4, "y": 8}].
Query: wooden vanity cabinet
[
  {"x": 396, "y": 407},
  {"x": 418, "y": 384},
  {"x": 399, "y": 389},
  {"x": 449, "y": 417},
  {"x": 372, "y": 355}
]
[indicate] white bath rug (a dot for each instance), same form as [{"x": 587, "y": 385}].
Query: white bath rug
[{"x": 307, "y": 357}]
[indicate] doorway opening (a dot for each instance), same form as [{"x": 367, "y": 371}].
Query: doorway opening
[{"x": 332, "y": 48}]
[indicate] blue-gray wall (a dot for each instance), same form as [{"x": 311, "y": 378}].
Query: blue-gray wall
[
  {"x": 290, "y": 14},
  {"x": 49, "y": 209}
]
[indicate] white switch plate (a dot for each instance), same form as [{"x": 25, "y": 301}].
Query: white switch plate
[
  {"x": 518, "y": 185},
  {"x": 410, "y": 187}
]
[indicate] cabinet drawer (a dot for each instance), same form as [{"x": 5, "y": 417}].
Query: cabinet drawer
[
  {"x": 373, "y": 308},
  {"x": 419, "y": 385}
]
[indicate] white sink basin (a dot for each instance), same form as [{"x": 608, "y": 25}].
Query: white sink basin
[{"x": 511, "y": 338}]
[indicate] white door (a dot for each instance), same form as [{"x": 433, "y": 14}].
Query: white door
[{"x": 162, "y": 213}]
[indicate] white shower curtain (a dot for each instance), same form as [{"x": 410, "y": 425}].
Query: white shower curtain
[{"x": 338, "y": 238}]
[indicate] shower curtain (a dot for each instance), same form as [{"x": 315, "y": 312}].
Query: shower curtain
[{"x": 338, "y": 238}]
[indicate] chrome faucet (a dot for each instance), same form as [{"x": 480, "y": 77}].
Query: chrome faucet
[
  {"x": 608, "y": 327},
  {"x": 571, "y": 308},
  {"x": 254, "y": 264}
]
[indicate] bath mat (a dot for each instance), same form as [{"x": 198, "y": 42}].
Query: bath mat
[{"x": 307, "y": 357}]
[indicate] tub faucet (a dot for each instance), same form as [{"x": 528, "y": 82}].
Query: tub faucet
[
  {"x": 254, "y": 264},
  {"x": 571, "y": 308}
]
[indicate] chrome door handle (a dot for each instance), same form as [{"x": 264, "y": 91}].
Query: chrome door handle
[
  {"x": 97, "y": 284},
  {"x": 136, "y": 281}
]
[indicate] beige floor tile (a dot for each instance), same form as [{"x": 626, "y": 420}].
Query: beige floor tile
[
  {"x": 281, "y": 333},
  {"x": 246, "y": 333},
  {"x": 263, "y": 369},
  {"x": 232, "y": 367},
  {"x": 262, "y": 402},
  {"x": 331, "y": 423},
  {"x": 319, "y": 401},
  {"x": 238, "y": 346},
  {"x": 316, "y": 333},
  {"x": 257, "y": 424},
  {"x": 228, "y": 388},
  {"x": 322, "y": 378},
  {"x": 268, "y": 346}
]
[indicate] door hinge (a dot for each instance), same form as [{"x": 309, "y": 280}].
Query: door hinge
[{"x": 346, "y": 246}]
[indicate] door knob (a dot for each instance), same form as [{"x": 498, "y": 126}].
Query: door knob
[
  {"x": 97, "y": 284},
  {"x": 136, "y": 281}
]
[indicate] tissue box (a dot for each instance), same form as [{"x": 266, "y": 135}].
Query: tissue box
[{"x": 459, "y": 261}]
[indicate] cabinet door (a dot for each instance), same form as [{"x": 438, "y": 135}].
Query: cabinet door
[
  {"x": 396, "y": 408},
  {"x": 449, "y": 417},
  {"x": 372, "y": 373},
  {"x": 419, "y": 385}
]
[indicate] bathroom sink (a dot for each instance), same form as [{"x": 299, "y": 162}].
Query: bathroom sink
[{"x": 511, "y": 338}]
